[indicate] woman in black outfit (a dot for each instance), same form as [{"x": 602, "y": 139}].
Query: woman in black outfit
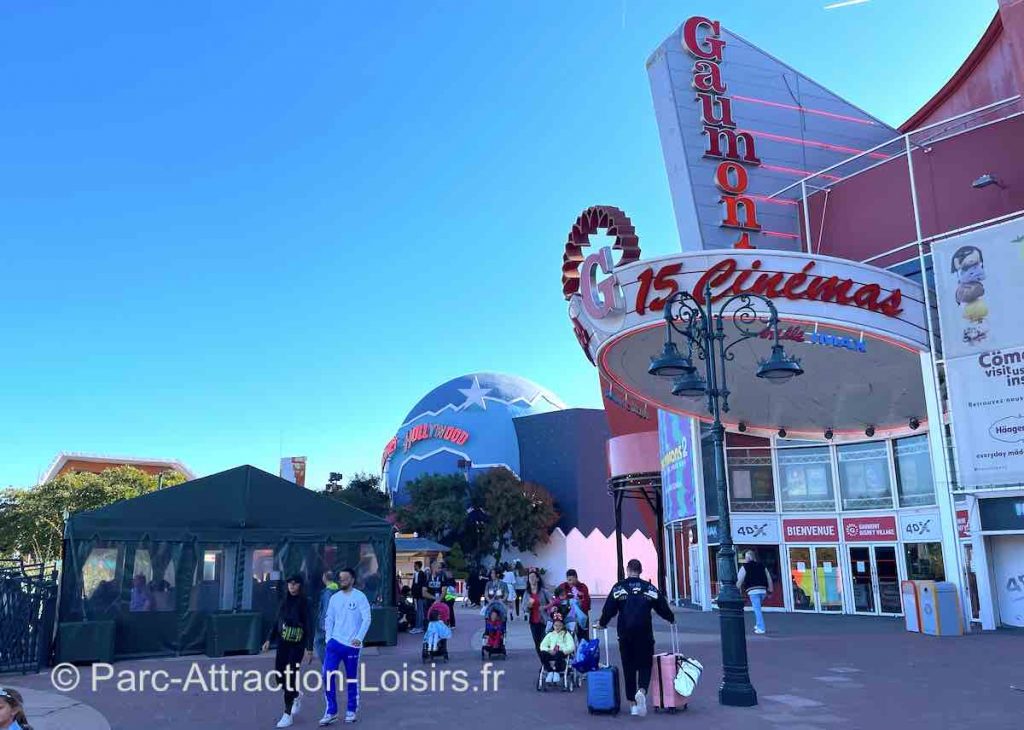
[{"x": 293, "y": 630}]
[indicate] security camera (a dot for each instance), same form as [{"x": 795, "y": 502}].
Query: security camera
[
  {"x": 914, "y": 424},
  {"x": 829, "y": 434},
  {"x": 782, "y": 433},
  {"x": 869, "y": 431}
]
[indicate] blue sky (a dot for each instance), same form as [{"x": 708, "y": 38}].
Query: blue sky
[{"x": 234, "y": 231}]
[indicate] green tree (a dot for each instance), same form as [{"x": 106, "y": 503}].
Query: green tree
[
  {"x": 32, "y": 520},
  {"x": 520, "y": 514},
  {"x": 457, "y": 562},
  {"x": 437, "y": 506},
  {"x": 363, "y": 491}
]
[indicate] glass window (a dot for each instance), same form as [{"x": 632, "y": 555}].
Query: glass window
[
  {"x": 259, "y": 591},
  {"x": 368, "y": 573},
  {"x": 153, "y": 578},
  {"x": 806, "y": 476},
  {"x": 924, "y": 561},
  {"x": 214, "y": 586},
  {"x": 101, "y": 580},
  {"x": 914, "y": 471},
  {"x": 864, "y": 475},
  {"x": 751, "y": 487}
]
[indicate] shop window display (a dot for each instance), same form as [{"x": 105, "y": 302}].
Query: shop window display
[
  {"x": 914, "y": 472},
  {"x": 864, "y": 476},
  {"x": 806, "y": 475}
]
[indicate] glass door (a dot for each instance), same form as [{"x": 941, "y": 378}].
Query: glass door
[
  {"x": 801, "y": 571},
  {"x": 888, "y": 579},
  {"x": 863, "y": 580},
  {"x": 829, "y": 579}
]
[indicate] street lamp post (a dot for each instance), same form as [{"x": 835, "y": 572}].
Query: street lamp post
[{"x": 703, "y": 332}]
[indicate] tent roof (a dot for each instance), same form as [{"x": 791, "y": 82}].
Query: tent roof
[
  {"x": 419, "y": 545},
  {"x": 244, "y": 503}
]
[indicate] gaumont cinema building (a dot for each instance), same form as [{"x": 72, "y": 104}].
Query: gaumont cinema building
[{"x": 895, "y": 260}]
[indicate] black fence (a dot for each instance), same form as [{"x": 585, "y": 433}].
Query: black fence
[{"x": 28, "y": 610}]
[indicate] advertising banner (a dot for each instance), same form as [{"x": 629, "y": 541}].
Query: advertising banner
[
  {"x": 811, "y": 529},
  {"x": 977, "y": 276},
  {"x": 748, "y": 530},
  {"x": 675, "y": 451},
  {"x": 870, "y": 529},
  {"x": 920, "y": 527},
  {"x": 293, "y": 468}
]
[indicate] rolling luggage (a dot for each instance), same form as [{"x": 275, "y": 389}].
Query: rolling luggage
[
  {"x": 603, "y": 686},
  {"x": 663, "y": 693},
  {"x": 674, "y": 677}
]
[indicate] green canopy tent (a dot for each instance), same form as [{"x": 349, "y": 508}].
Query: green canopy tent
[{"x": 161, "y": 565}]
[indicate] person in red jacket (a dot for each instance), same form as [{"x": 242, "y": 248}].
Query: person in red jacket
[{"x": 575, "y": 589}]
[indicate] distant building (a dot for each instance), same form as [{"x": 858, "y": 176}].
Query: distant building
[{"x": 71, "y": 462}]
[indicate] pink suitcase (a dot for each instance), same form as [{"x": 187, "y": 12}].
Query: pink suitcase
[{"x": 662, "y": 694}]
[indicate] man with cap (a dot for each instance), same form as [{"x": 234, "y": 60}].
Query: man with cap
[{"x": 346, "y": 624}]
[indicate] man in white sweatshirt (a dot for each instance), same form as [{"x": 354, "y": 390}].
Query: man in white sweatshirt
[{"x": 345, "y": 626}]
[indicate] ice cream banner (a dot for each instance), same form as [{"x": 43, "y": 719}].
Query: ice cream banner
[
  {"x": 293, "y": 468},
  {"x": 978, "y": 278}
]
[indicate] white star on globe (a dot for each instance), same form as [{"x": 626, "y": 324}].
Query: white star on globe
[{"x": 475, "y": 395}]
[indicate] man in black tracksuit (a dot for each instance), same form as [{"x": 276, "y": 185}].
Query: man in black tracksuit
[{"x": 632, "y": 600}]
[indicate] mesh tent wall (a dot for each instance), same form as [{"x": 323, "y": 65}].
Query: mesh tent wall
[{"x": 159, "y": 564}]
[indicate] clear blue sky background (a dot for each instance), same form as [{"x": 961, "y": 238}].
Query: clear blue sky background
[{"x": 233, "y": 231}]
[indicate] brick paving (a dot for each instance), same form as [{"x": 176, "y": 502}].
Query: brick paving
[{"x": 811, "y": 673}]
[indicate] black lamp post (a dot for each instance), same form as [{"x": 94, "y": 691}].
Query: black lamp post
[{"x": 703, "y": 331}]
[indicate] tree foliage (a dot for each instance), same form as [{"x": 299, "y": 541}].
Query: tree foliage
[
  {"x": 520, "y": 515},
  {"x": 436, "y": 507},
  {"x": 363, "y": 491},
  {"x": 32, "y": 520}
]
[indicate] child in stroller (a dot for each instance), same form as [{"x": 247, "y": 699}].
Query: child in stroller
[
  {"x": 495, "y": 627},
  {"x": 435, "y": 639},
  {"x": 556, "y": 653}
]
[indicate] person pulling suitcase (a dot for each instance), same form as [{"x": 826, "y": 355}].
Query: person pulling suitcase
[{"x": 632, "y": 600}]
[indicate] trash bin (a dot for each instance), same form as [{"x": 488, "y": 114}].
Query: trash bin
[
  {"x": 940, "y": 608},
  {"x": 911, "y": 605}
]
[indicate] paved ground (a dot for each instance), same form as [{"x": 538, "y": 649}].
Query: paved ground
[{"x": 811, "y": 673}]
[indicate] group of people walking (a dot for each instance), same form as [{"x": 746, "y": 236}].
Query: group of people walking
[
  {"x": 558, "y": 619},
  {"x": 335, "y": 632}
]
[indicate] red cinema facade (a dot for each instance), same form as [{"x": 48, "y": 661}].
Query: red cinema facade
[{"x": 841, "y": 481}]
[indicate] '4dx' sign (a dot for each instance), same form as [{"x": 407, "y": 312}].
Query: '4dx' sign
[
  {"x": 753, "y": 530},
  {"x": 918, "y": 528}
]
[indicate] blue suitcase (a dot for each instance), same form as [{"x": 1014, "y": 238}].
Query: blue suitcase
[{"x": 603, "y": 687}]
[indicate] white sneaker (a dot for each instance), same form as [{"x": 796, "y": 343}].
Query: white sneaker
[
  {"x": 285, "y": 721},
  {"x": 759, "y": 631},
  {"x": 415, "y": 631},
  {"x": 633, "y": 710},
  {"x": 328, "y": 719},
  {"x": 641, "y": 703},
  {"x": 350, "y": 717},
  {"x": 296, "y": 705}
]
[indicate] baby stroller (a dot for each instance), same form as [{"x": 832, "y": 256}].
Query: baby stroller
[
  {"x": 494, "y": 635},
  {"x": 435, "y": 638},
  {"x": 568, "y": 679}
]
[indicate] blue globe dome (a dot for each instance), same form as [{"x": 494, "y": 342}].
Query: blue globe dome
[{"x": 468, "y": 419}]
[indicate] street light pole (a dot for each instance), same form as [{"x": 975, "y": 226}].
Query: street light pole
[{"x": 703, "y": 331}]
